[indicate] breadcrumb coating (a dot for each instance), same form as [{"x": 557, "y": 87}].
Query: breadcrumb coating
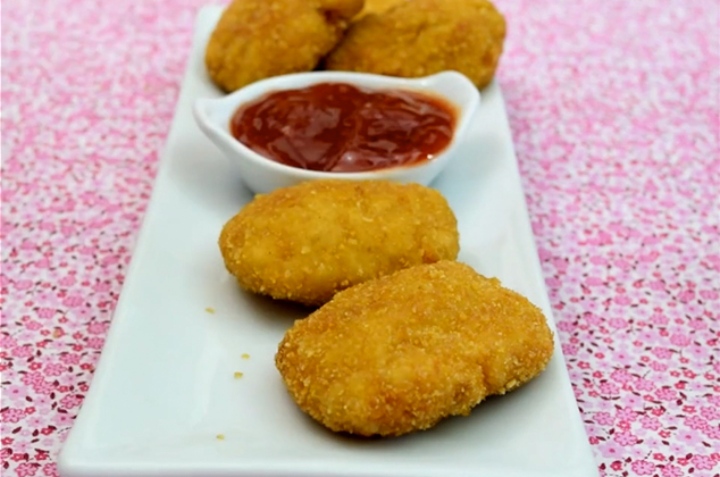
[
  {"x": 400, "y": 353},
  {"x": 256, "y": 39},
  {"x": 307, "y": 242},
  {"x": 413, "y": 38},
  {"x": 376, "y": 6}
]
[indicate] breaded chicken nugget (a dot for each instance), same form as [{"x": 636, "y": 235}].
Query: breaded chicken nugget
[
  {"x": 398, "y": 354},
  {"x": 421, "y": 37},
  {"x": 306, "y": 242},
  {"x": 256, "y": 39}
]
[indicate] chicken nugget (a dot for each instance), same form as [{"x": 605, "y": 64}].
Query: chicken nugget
[
  {"x": 400, "y": 353},
  {"x": 256, "y": 39},
  {"x": 422, "y": 37},
  {"x": 306, "y": 242}
]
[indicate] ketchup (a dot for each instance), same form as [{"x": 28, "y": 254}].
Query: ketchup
[{"x": 338, "y": 127}]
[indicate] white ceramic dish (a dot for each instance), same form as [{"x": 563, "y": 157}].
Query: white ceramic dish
[
  {"x": 263, "y": 175},
  {"x": 164, "y": 387}
]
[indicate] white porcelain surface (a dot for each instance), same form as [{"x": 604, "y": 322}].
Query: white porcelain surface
[
  {"x": 164, "y": 388},
  {"x": 260, "y": 174}
]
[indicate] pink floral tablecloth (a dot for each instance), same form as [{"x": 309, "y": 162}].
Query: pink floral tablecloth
[{"x": 614, "y": 107}]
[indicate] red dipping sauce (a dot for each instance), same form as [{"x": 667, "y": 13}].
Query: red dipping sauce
[{"x": 338, "y": 127}]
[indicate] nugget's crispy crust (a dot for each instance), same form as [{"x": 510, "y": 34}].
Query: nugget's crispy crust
[
  {"x": 256, "y": 39},
  {"x": 377, "y": 6},
  {"x": 397, "y": 354},
  {"x": 422, "y": 37},
  {"x": 305, "y": 243}
]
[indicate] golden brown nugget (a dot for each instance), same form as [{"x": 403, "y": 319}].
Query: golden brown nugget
[
  {"x": 421, "y": 37},
  {"x": 398, "y": 354},
  {"x": 256, "y": 39},
  {"x": 307, "y": 242}
]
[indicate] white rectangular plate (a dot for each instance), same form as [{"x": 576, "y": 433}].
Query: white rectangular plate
[{"x": 165, "y": 386}]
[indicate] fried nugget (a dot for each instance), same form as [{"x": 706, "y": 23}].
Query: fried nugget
[
  {"x": 420, "y": 37},
  {"x": 256, "y": 39},
  {"x": 307, "y": 242},
  {"x": 400, "y": 353}
]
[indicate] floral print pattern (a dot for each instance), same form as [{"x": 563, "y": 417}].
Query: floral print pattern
[{"x": 614, "y": 111}]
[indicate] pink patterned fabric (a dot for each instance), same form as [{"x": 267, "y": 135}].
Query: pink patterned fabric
[{"x": 614, "y": 107}]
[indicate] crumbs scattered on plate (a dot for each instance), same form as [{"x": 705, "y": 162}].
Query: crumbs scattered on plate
[
  {"x": 220, "y": 437},
  {"x": 210, "y": 310},
  {"x": 238, "y": 375},
  {"x": 245, "y": 356}
]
